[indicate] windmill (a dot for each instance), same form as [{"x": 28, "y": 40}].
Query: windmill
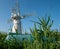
[{"x": 16, "y": 18}]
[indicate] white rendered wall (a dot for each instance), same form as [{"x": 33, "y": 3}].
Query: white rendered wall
[{"x": 16, "y": 26}]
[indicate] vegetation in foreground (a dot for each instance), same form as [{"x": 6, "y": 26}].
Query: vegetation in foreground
[{"x": 44, "y": 37}]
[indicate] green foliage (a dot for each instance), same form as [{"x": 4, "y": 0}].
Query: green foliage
[
  {"x": 12, "y": 44},
  {"x": 2, "y": 38},
  {"x": 44, "y": 37}
]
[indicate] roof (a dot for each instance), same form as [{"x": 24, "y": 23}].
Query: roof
[{"x": 19, "y": 36}]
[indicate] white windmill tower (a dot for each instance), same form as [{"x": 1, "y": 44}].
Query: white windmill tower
[{"x": 16, "y": 18}]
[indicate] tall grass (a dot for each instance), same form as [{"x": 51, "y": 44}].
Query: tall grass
[{"x": 44, "y": 37}]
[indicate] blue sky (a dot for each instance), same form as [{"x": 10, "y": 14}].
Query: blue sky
[{"x": 40, "y": 7}]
